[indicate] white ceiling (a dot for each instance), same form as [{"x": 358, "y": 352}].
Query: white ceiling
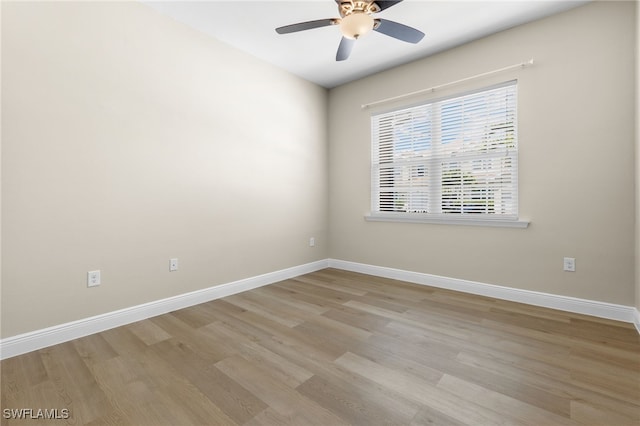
[{"x": 250, "y": 26}]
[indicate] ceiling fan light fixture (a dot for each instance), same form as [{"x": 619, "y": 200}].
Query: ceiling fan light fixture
[
  {"x": 356, "y": 25},
  {"x": 357, "y": 20}
]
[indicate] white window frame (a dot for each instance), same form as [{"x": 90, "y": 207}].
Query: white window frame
[{"x": 410, "y": 158}]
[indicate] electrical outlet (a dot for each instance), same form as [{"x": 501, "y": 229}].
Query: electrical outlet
[
  {"x": 570, "y": 264},
  {"x": 173, "y": 265},
  {"x": 93, "y": 278},
  {"x": 312, "y": 242}
]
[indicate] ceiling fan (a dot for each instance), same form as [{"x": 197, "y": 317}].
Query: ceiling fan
[{"x": 355, "y": 21}]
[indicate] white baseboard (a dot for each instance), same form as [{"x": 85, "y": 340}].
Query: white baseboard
[
  {"x": 39, "y": 339},
  {"x": 27, "y": 342},
  {"x": 570, "y": 304}
]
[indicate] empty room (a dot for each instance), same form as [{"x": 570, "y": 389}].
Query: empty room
[{"x": 320, "y": 212}]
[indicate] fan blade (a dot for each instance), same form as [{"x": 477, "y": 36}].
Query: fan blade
[
  {"x": 301, "y": 26},
  {"x": 386, "y": 4},
  {"x": 345, "y": 48},
  {"x": 399, "y": 31}
]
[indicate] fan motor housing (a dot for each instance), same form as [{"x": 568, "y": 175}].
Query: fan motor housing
[{"x": 348, "y": 7}]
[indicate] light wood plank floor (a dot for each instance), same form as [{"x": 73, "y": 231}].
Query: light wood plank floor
[{"x": 334, "y": 348}]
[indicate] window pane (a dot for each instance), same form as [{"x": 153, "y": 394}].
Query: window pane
[{"x": 457, "y": 156}]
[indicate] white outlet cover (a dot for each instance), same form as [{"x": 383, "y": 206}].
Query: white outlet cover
[
  {"x": 173, "y": 265},
  {"x": 569, "y": 264},
  {"x": 93, "y": 278}
]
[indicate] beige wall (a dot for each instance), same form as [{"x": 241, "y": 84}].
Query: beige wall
[
  {"x": 129, "y": 139},
  {"x": 576, "y": 134}
]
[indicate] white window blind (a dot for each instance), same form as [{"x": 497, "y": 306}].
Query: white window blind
[{"x": 452, "y": 158}]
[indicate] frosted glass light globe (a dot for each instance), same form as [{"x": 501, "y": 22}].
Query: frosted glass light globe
[{"x": 356, "y": 25}]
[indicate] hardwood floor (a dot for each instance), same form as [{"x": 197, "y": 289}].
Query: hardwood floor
[{"x": 335, "y": 348}]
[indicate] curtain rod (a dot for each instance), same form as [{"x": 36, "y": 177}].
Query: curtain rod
[{"x": 434, "y": 88}]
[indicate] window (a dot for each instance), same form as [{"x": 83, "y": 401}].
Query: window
[{"x": 451, "y": 159}]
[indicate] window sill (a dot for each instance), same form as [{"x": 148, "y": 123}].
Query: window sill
[{"x": 503, "y": 223}]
